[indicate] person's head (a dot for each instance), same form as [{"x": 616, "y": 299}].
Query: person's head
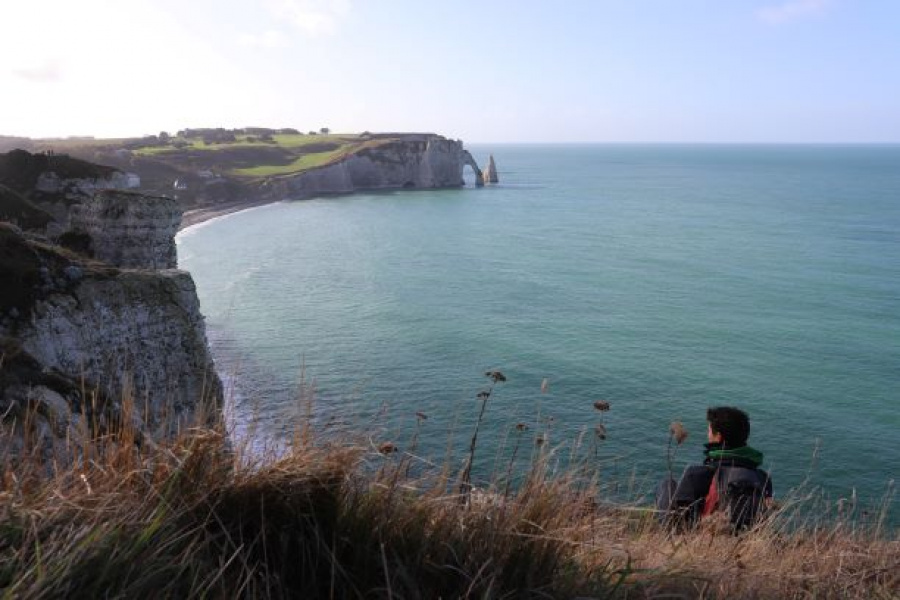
[{"x": 728, "y": 426}]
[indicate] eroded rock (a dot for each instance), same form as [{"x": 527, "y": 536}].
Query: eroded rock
[{"x": 129, "y": 230}]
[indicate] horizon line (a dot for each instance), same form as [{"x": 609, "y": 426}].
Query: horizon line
[{"x": 693, "y": 143}]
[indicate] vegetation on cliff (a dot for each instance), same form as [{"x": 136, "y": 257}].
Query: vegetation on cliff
[
  {"x": 20, "y": 169},
  {"x": 32, "y": 269},
  {"x": 15, "y": 208}
]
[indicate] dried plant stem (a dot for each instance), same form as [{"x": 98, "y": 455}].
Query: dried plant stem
[
  {"x": 465, "y": 486},
  {"x": 512, "y": 462}
]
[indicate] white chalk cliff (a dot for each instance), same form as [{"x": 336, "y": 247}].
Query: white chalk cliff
[
  {"x": 129, "y": 230},
  {"x": 490, "y": 172},
  {"x": 83, "y": 337},
  {"x": 413, "y": 161}
]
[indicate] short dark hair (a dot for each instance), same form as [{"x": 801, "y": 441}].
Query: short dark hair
[{"x": 732, "y": 423}]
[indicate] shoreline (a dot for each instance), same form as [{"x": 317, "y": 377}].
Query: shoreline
[{"x": 196, "y": 216}]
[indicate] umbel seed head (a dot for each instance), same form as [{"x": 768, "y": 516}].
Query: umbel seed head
[
  {"x": 601, "y": 405},
  {"x": 496, "y": 376},
  {"x": 678, "y": 432}
]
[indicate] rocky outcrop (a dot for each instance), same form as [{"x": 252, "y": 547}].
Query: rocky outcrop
[
  {"x": 54, "y": 183},
  {"x": 490, "y": 173},
  {"x": 129, "y": 230},
  {"x": 86, "y": 334},
  {"x": 410, "y": 162},
  {"x": 49, "y": 182}
]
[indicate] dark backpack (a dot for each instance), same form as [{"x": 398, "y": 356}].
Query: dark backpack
[{"x": 742, "y": 495}]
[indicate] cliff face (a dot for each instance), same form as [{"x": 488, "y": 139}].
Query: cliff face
[
  {"x": 50, "y": 182},
  {"x": 426, "y": 161},
  {"x": 136, "y": 332},
  {"x": 108, "y": 333},
  {"x": 129, "y": 230},
  {"x": 105, "y": 337}
]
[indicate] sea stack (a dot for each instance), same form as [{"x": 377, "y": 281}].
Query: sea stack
[{"x": 490, "y": 173}]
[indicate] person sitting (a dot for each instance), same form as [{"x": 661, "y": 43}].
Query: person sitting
[{"x": 729, "y": 479}]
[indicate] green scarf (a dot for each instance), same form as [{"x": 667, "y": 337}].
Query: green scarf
[{"x": 744, "y": 452}]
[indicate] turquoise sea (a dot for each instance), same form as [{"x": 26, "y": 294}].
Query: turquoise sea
[{"x": 661, "y": 278}]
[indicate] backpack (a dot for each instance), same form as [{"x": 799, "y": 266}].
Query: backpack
[{"x": 742, "y": 495}]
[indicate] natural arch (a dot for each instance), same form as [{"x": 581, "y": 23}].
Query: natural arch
[{"x": 468, "y": 160}]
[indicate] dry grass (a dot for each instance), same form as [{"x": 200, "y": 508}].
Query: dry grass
[{"x": 198, "y": 517}]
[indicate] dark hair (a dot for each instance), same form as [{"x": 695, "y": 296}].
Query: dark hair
[{"x": 732, "y": 423}]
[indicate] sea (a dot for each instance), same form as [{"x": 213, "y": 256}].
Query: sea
[{"x": 661, "y": 279}]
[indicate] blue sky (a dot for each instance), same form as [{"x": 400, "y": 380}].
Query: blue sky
[{"x": 486, "y": 71}]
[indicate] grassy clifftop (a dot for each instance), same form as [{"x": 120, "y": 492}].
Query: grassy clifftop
[
  {"x": 365, "y": 518},
  {"x": 20, "y": 169},
  {"x": 250, "y": 156}
]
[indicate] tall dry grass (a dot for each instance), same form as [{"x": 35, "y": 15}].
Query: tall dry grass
[{"x": 196, "y": 516}]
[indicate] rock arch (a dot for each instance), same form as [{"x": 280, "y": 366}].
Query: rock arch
[{"x": 468, "y": 160}]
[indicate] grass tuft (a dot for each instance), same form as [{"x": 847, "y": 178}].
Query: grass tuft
[{"x": 196, "y": 516}]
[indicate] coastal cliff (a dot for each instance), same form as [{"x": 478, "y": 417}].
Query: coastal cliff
[
  {"x": 407, "y": 162},
  {"x": 129, "y": 230},
  {"x": 109, "y": 336},
  {"x": 110, "y": 330},
  {"x": 219, "y": 169}
]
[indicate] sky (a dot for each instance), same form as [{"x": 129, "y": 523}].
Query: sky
[{"x": 793, "y": 71}]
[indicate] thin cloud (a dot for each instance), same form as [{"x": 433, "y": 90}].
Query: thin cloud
[
  {"x": 267, "y": 40},
  {"x": 793, "y": 10},
  {"x": 312, "y": 17},
  {"x": 49, "y": 71}
]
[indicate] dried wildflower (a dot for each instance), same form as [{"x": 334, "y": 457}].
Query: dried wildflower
[
  {"x": 483, "y": 395},
  {"x": 521, "y": 427},
  {"x": 545, "y": 386},
  {"x": 421, "y": 416},
  {"x": 600, "y": 431},
  {"x": 601, "y": 405},
  {"x": 497, "y": 376},
  {"x": 539, "y": 440},
  {"x": 678, "y": 432},
  {"x": 387, "y": 448}
]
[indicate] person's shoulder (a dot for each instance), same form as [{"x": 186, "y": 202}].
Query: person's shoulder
[
  {"x": 701, "y": 474},
  {"x": 698, "y": 469}
]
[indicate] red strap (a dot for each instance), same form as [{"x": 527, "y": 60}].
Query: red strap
[{"x": 712, "y": 497}]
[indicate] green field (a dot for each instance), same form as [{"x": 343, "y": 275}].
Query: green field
[
  {"x": 250, "y": 157},
  {"x": 179, "y": 144}
]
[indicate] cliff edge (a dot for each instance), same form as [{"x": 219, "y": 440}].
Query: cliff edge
[
  {"x": 103, "y": 328},
  {"x": 408, "y": 162}
]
